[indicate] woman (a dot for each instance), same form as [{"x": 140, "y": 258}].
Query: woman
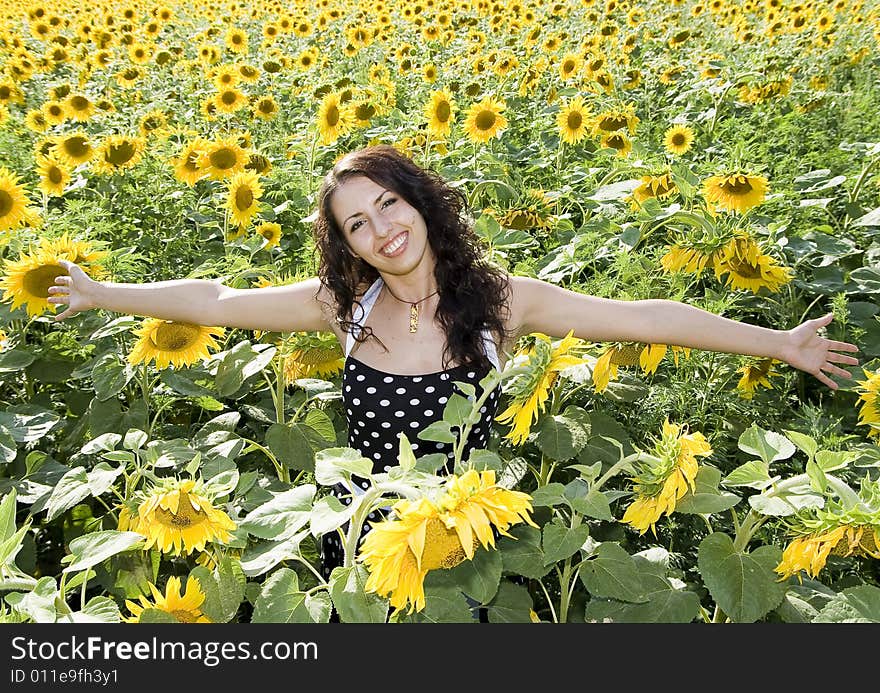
[{"x": 402, "y": 284}]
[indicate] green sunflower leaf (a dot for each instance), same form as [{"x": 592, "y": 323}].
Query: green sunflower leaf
[
  {"x": 613, "y": 573},
  {"x": 663, "y": 603},
  {"x": 523, "y": 554},
  {"x": 350, "y": 598},
  {"x": 860, "y": 604},
  {"x": 744, "y": 585},
  {"x": 560, "y": 542},
  {"x": 512, "y": 604},
  {"x": 281, "y": 601}
]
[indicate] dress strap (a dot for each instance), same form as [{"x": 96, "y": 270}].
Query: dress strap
[
  {"x": 365, "y": 305},
  {"x": 490, "y": 349}
]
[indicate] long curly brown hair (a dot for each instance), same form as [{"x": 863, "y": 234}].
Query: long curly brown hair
[{"x": 473, "y": 294}]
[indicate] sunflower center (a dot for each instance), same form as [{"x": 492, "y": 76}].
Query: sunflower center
[
  {"x": 55, "y": 110},
  {"x": 229, "y": 97},
  {"x": 192, "y": 161},
  {"x": 365, "y": 111},
  {"x": 172, "y": 336},
  {"x": 678, "y": 139},
  {"x": 37, "y": 281},
  {"x": 616, "y": 142},
  {"x": 611, "y": 123},
  {"x": 119, "y": 154},
  {"x": 185, "y": 616},
  {"x": 442, "y": 546},
  {"x": 186, "y": 515},
  {"x": 737, "y": 185},
  {"x": 574, "y": 120},
  {"x": 626, "y": 356},
  {"x": 485, "y": 120},
  {"x": 79, "y": 103},
  {"x": 744, "y": 269},
  {"x": 332, "y": 117},
  {"x": 6, "y": 203},
  {"x": 223, "y": 158},
  {"x": 76, "y": 146},
  {"x": 244, "y": 197},
  {"x": 55, "y": 175},
  {"x": 443, "y": 111},
  {"x": 267, "y": 107}
]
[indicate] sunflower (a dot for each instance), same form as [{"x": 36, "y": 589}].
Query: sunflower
[
  {"x": 311, "y": 355},
  {"x": 755, "y": 374},
  {"x": 13, "y": 200},
  {"x": 430, "y": 535},
  {"x": 154, "y": 122},
  {"x": 570, "y": 65},
  {"x": 236, "y": 40},
  {"x": 173, "y": 342},
  {"x": 140, "y": 53},
  {"x": 27, "y": 281},
  {"x": 271, "y": 232},
  {"x": 229, "y": 100},
  {"x": 176, "y": 516},
  {"x": 80, "y": 252},
  {"x": 440, "y": 112},
  {"x": 35, "y": 120},
  {"x": 184, "y": 607},
  {"x": 529, "y": 391},
  {"x": 266, "y": 108},
  {"x": 615, "y": 120},
  {"x": 648, "y": 356},
  {"x": 334, "y": 118},
  {"x": 869, "y": 414},
  {"x": 747, "y": 267},
  {"x": 129, "y": 76},
  {"x": 665, "y": 476},
  {"x": 689, "y": 259},
  {"x": 222, "y": 158},
  {"x": 572, "y": 121},
  {"x": 118, "y": 153},
  {"x": 53, "y": 176},
  {"x": 735, "y": 191},
  {"x": 658, "y": 187},
  {"x": 226, "y": 76},
  {"x": 243, "y": 197},
  {"x": 187, "y": 166},
  {"x": 73, "y": 149},
  {"x": 677, "y": 139},
  {"x": 810, "y": 552},
  {"x": 617, "y": 141},
  {"x": 79, "y": 107},
  {"x": 484, "y": 120}
]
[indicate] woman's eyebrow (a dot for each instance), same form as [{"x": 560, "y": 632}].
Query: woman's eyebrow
[{"x": 356, "y": 214}]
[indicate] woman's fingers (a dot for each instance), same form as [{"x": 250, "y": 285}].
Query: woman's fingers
[
  {"x": 834, "y": 370},
  {"x": 840, "y": 358},
  {"x": 826, "y": 380},
  {"x": 842, "y": 346}
]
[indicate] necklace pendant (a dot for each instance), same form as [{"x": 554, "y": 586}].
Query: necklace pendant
[{"x": 413, "y": 318}]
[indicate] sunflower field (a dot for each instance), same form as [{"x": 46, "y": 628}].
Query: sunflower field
[{"x": 717, "y": 152}]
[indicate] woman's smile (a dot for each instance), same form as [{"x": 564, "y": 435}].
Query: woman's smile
[{"x": 396, "y": 245}]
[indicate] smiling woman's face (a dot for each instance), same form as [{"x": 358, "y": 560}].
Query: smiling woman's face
[{"x": 380, "y": 226}]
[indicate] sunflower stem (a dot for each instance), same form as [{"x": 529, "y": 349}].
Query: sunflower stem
[
  {"x": 549, "y": 601},
  {"x": 145, "y": 390}
]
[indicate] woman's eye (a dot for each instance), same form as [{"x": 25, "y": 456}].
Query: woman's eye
[
  {"x": 389, "y": 201},
  {"x": 355, "y": 226}
]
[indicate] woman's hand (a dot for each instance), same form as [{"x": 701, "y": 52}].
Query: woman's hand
[
  {"x": 816, "y": 355},
  {"x": 76, "y": 289}
]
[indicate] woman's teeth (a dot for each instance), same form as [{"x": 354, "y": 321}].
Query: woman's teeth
[{"x": 395, "y": 245}]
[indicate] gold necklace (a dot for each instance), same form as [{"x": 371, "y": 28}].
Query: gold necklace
[{"x": 413, "y": 308}]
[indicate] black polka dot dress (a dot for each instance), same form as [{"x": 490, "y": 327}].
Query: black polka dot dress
[{"x": 379, "y": 406}]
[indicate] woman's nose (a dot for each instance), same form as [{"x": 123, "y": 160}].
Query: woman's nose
[{"x": 382, "y": 227}]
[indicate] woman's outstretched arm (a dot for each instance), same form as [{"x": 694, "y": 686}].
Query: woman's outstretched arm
[
  {"x": 288, "y": 308},
  {"x": 537, "y": 306}
]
